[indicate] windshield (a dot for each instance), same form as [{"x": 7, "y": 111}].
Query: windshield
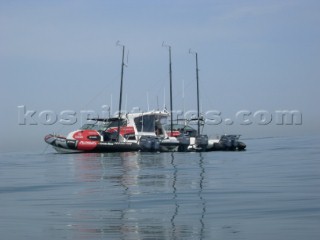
[
  {"x": 102, "y": 126},
  {"x": 145, "y": 123}
]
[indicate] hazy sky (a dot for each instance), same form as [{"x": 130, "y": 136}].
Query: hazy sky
[{"x": 253, "y": 56}]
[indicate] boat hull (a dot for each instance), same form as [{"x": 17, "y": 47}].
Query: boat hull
[
  {"x": 63, "y": 145},
  {"x": 228, "y": 143}
]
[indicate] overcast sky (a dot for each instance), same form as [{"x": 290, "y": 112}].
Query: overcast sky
[{"x": 253, "y": 56}]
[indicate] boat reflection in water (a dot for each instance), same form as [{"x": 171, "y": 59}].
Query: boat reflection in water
[{"x": 137, "y": 196}]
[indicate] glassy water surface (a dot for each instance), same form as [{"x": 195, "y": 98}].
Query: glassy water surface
[{"x": 270, "y": 191}]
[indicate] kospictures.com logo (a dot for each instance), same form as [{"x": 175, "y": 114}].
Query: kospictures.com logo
[{"x": 210, "y": 117}]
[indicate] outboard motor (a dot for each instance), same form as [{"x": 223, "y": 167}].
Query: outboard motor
[
  {"x": 184, "y": 142},
  {"x": 149, "y": 144},
  {"x": 202, "y": 142}
]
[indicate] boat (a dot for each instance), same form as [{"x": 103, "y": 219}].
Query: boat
[
  {"x": 189, "y": 138},
  {"x": 122, "y": 133},
  {"x": 131, "y": 132},
  {"x": 143, "y": 131},
  {"x": 87, "y": 141},
  {"x": 186, "y": 143},
  {"x": 193, "y": 140},
  {"x": 97, "y": 136},
  {"x": 90, "y": 137},
  {"x": 225, "y": 142}
]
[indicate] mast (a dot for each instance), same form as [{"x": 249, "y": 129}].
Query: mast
[
  {"x": 121, "y": 83},
  {"x": 170, "y": 76},
  {"x": 198, "y": 108},
  {"x": 197, "y": 76},
  {"x": 171, "y": 108}
]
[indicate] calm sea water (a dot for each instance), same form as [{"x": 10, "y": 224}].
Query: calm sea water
[{"x": 270, "y": 191}]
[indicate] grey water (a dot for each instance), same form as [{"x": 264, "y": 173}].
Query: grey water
[{"x": 270, "y": 191}]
